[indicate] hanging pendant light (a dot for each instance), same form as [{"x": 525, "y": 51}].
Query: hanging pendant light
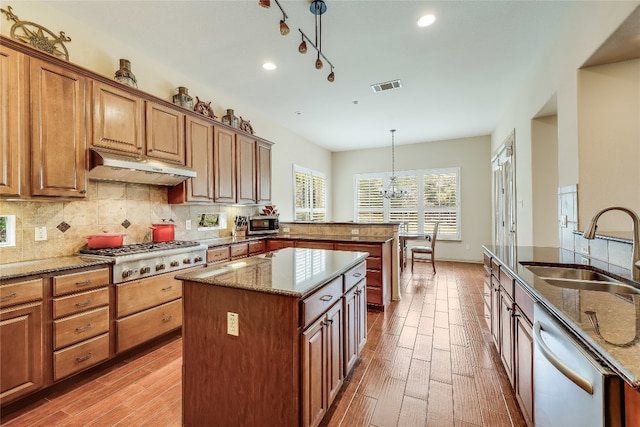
[{"x": 393, "y": 190}]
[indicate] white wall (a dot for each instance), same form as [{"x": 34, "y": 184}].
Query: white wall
[
  {"x": 544, "y": 168},
  {"x": 101, "y": 54},
  {"x": 472, "y": 155},
  {"x": 589, "y": 24}
]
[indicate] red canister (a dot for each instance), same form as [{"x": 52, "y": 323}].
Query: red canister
[{"x": 163, "y": 232}]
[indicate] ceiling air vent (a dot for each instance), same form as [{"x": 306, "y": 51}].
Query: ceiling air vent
[{"x": 380, "y": 87}]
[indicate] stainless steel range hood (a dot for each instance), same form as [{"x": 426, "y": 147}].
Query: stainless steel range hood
[{"x": 108, "y": 166}]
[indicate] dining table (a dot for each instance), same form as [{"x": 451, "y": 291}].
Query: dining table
[{"x": 402, "y": 240}]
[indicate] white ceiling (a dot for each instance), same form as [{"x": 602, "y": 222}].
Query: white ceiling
[{"x": 458, "y": 75}]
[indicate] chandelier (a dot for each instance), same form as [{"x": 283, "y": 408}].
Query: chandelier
[{"x": 393, "y": 191}]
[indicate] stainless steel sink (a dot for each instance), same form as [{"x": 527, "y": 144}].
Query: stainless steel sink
[
  {"x": 593, "y": 285},
  {"x": 581, "y": 278},
  {"x": 571, "y": 273}
]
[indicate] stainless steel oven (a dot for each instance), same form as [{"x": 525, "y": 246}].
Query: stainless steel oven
[{"x": 263, "y": 224}]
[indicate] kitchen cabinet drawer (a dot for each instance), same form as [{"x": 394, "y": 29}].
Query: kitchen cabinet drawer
[
  {"x": 218, "y": 255},
  {"x": 353, "y": 276},
  {"x": 148, "y": 324},
  {"x": 374, "y": 278},
  {"x": 374, "y": 263},
  {"x": 487, "y": 261},
  {"x": 374, "y": 295},
  {"x": 373, "y": 250},
  {"x": 76, "y": 282},
  {"x": 506, "y": 281},
  {"x": 75, "y": 303},
  {"x": 274, "y": 245},
  {"x": 80, "y": 356},
  {"x": 20, "y": 292},
  {"x": 257, "y": 247},
  {"x": 524, "y": 301},
  {"x": 239, "y": 251},
  {"x": 79, "y": 327},
  {"x": 318, "y": 303},
  {"x": 146, "y": 293},
  {"x": 314, "y": 244},
  {"x": 486, "y": 293}
]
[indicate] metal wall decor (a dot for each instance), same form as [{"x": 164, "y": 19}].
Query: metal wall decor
[
  {"x": 204, "y": 108},
  {"x": 37, "y": 36}
]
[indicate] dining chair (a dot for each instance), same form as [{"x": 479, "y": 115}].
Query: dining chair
[{"x": 426, "y": 253}]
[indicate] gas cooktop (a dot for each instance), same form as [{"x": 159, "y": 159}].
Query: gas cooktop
[{"x": 138, "y": 248}]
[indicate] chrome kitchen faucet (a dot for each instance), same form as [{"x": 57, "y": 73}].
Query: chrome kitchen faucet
[{"x": 590, "y": 233}]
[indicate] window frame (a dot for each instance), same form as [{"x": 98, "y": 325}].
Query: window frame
[
  {"x": 10, "y": 230},
  {"x": 419, "y": 196},
  {"x": 311, "y": 211}
]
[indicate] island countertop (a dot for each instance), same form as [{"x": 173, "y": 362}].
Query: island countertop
[
  {"x": 617, "y": 341},
  {"x": 294, "y": 272}
]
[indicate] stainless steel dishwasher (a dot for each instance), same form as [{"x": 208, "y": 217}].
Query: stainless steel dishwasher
[{"x": 571, "y": 386}]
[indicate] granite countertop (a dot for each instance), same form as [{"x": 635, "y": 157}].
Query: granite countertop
[
  {"x": 47, "y": 266},
  {"x": 292, "y": 272},
  {"x": 334, "y": 238},
  {"x": 223, "y": 241},
  {"x": 618, "y": 343}
]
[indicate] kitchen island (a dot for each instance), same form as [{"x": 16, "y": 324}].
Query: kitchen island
[{"x": 268, "y": 340}]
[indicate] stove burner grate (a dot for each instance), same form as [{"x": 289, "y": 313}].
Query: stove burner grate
[{"x": 139, "y": 248}]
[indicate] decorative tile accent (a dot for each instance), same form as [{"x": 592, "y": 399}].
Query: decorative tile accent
[
  {"x": 125, "y": 223},
  {"x": 63, "y": 226}
]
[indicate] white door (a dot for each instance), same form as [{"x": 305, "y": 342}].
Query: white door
[{"x": 504, "y": 199}]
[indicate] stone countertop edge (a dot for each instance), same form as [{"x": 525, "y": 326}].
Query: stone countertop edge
[
  {"x": 214, "y": 279},
  {"x": 225, "y": 241},
  {"x": 525, "y": 278},
  {"x": 48, "y": 266}
]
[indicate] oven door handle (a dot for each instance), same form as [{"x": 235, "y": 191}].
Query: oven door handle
[{"x": 573, "y": 376}]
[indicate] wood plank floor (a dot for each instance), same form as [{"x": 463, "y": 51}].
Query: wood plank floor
[{"x": 429, "y": 361}]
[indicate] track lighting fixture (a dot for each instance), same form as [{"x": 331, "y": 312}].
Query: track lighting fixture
[{"x": 317, "y": 9}]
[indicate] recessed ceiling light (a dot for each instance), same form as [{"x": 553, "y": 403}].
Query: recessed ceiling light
[
  {"x": 269, "y": 66},
  {"x": 426, "y": 20}
]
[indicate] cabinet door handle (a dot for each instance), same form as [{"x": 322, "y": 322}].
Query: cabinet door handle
[
  {"x": 83, "y": 283},
  {"x": 168, "y": 288},
  {"x": 167, "y": 319},
  {"x": 357, "y": 274},
  {"x": 10, "y": 296},
  {"x": 84, "y": 358},
  {"x": 84, "y": 328},
  {"x": 326, "y": 298},
  {"x": 83, "y": 304}
]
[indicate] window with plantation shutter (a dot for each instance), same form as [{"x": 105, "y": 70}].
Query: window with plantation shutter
[
  {"x": 310, "y": 195},
  {"x": 432, "y": 196}
]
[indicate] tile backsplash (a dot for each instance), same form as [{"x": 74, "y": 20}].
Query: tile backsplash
[{"x": 110, "y": 206}]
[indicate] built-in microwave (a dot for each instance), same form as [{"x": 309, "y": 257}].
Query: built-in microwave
[{"x": 263, "y": 224}]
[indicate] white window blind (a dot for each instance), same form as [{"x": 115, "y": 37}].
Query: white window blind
[
  {"x": 432, "y": 195},
  {"x": 310, "y": 195}
]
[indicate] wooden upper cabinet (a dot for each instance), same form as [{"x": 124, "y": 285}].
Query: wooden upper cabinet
[
  {"x": 224, "y": 153},
  {"x": 14, "y": 121},
  {"x": 118, "y": 119},
  {"x": 263, "y": 162},
  {"x": 165, "y": 133},
  {"x": 199, "y": 149},
  {"x": 246, "y": 169},
  {"x": 59, "y": 105}
]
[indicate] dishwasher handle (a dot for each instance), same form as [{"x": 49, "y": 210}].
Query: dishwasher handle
[{"x": 574, "y": 377}]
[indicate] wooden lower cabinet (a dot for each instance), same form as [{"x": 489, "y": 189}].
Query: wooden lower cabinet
[
  {"x": 81, "y": 320},
  {"x": 257, "y": 247},
  {"x": 21, "y": 350},
  {"x": 147, "y": 308},
  {"x": 275, "y": 244},
  {"x": 148, "y": 324},
  {"x": 355, "y": 324},
  {"x": 524, "y": 365},
  {"x": 322, "y": 369},
  {"x": 510, "y": 322},
  {"x": 631, "y": 406},
  {"x": 286, "y": 364},
  {"x": 217, "y": 255}
]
